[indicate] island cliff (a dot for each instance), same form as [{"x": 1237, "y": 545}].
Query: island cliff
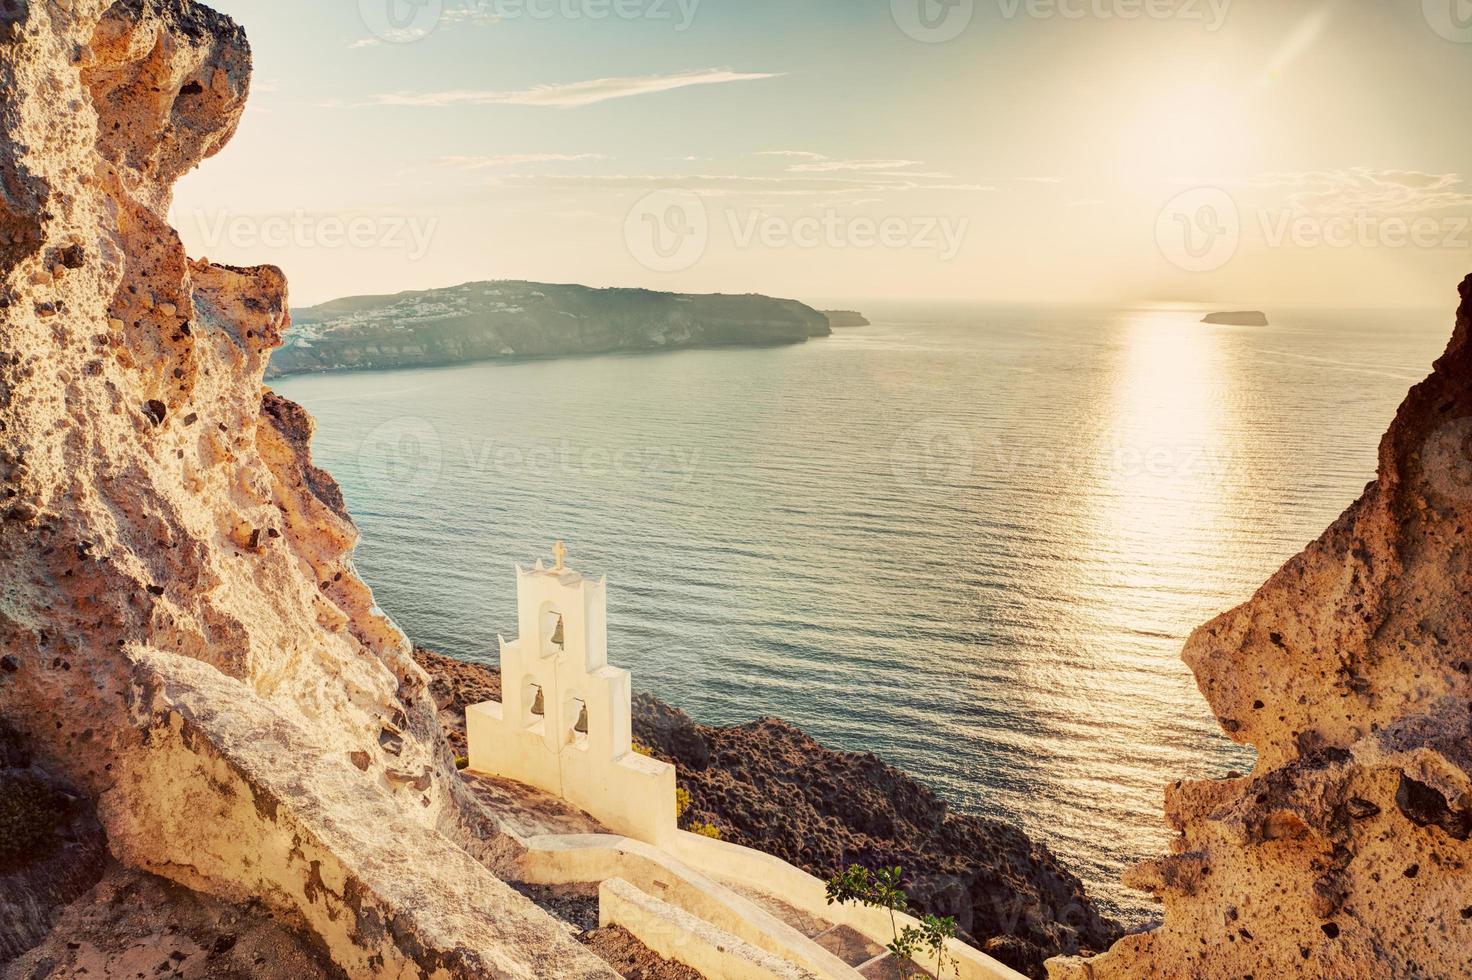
[
  {"x": 1245, "y": 318},
  {"x": 845, "y": 318},
  {"x": 1346, "y": 852},
  {"x": 489, "y": 320}
]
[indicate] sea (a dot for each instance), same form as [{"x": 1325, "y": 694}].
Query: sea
[{"x": 971, "y": 540}]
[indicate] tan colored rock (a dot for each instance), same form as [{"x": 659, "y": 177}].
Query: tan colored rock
[
  {"x": 1346, "y": 852},
  {"x": 190, "y": 643}
]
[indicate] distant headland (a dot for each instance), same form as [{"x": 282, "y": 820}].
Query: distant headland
[
  {"x": 1243, "y": 318},
  {"x": 845, "y": 318},
  {"x": 505, "y": 319}
]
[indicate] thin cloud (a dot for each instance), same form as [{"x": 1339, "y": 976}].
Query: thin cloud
[
  {"x": 817, "y": 163},
  {"x": 725, "y": 185},
  {"x": 836, "y": 166},
  {"x": 470, "y": 14},
  {"x": 1367, "y": 190},
  {"x": 513, "y": 160},
  {"x": 573, "y": 94},
  {"x": 912, "y": 174}
]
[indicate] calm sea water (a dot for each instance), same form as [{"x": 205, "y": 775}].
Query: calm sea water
[{"x": 969, "y": 540}]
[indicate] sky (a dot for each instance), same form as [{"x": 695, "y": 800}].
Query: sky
[{"x": 1243, "y": 152}]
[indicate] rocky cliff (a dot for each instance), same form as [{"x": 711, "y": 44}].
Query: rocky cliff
[
  {"x": 769, "y": 786},
  {"x": 488, "y": 320},
  {"x": 184, "y": 638},
  {"x": 1346, "y": 852}
]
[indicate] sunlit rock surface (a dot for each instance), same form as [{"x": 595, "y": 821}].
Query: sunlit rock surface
[
  {"x": 1345, "y": 853},
  {"x": 183, "y": 636}
]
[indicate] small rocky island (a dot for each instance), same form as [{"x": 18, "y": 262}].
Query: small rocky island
[
  {"x": 488, "y": 320},
  {"x": 1244, "y": 318},
  {"x": 845, "y": 318}
]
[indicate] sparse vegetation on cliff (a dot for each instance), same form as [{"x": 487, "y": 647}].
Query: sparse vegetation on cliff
[{"x": 881, "y": 889}]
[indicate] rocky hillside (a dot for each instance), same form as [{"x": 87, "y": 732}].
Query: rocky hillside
[
  {"x": 485, "y": 320},
  {"x": 1347, "y": 852},
  {"x": 769, "y": 786}
]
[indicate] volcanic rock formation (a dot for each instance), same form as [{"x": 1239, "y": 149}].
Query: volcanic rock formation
[
  {"x": 184, "y": 638},
  {"x": 1346, "y": 852}
]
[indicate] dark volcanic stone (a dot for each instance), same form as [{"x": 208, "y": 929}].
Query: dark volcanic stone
[{"x": 1425, "y": 807}]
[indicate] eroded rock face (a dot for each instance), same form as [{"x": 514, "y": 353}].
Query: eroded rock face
[
  {"x": 184, "y": 637},
  {"x": 1345, "y": 854}
]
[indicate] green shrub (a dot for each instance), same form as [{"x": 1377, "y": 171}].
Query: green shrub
[
  {"x": 462, "y": 762},
  {"x": 682, "y": 801},
  {"x": 642, "y": 749},
  {"x": 30, "y": 813},
  {"x": 881, "y": 890}
]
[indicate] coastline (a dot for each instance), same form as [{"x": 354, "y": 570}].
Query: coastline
[{"x": 514, "y": 359}]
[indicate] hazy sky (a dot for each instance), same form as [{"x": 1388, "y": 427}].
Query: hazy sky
[{"x": 1251, "y": 152}]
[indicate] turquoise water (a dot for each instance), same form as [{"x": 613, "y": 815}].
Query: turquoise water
[{"x": 969, "y": 540}]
